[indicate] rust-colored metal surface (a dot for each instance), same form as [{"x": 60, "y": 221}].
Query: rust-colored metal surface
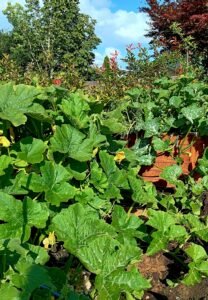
[{"x": 188, "y": 149}]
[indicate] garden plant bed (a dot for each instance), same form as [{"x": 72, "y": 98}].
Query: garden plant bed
[
  {"x": 77, "y": 221},
  {"x": 103, "y": 169}
]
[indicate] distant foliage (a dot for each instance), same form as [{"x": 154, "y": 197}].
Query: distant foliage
[
  {"x": 49, "y": 35},
  {"x": 191, "y": 15}
]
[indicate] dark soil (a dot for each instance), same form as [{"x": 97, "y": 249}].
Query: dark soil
[
  {"x": 58, "y": 256},
  {"x": 158, "y": 268},
  {"x": 181, "y": 292}
]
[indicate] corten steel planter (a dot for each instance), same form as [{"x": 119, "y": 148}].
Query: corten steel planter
[{"x": 188, "y": 149}]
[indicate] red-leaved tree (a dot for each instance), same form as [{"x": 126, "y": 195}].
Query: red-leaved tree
[{"x": 191, "y": 15}]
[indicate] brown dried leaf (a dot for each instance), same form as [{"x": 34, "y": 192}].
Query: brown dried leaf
[{"x": 155, "y": 266}]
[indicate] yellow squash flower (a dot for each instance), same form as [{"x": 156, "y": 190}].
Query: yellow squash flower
[
  {"x": 119, "y": 156},
  {"x": 4, "y": 142},
  {"x": 50, "y": 240},
  {"x": 95, "y": 151}
]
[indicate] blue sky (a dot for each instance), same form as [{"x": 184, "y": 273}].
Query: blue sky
[
  {"x": 131, "y": 5},
  {"x": 119, "y": 23}
]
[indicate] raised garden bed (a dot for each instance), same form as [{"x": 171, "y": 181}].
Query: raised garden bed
[{"x": 186, "y": 151}]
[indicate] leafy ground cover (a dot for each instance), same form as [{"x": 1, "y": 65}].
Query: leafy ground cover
[{"x": 77, "y": 222}]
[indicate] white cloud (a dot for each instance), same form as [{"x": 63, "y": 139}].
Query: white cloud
[
  {"x": 94, "y": 4},
  {"x": 120, "y": 27},
  {"x": 116, "y": 29},
  {"x": 131, "y": 26}
]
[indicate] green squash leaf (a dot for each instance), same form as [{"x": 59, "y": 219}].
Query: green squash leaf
[
  {"x": 15, "y": 101},
  {"x": 192, "y": 278},
  {"x": 171, "y": 173},
  {"x": 116, "y": 255},
  {"x": 73, "y": 142},
  {"x": 143, "y": 192},
  {"x": 196, "y": 252},
  {"x": 75, "y": 226},
  {"x": 31, "y": 150},
  {"x": 77, "y": 169},
  {"x": 29, "y": 277},
  {"x": 151, "y": 127},
  {"x": 31, "y": 253},
  {"x": 5, "y": 161},
  {"x": 192, "y": 112},
  {"x": 107, "y": 162},
  {"x": 7, "y": 291},
  {"x": 158, "y": 243},
  {"x": 98, "y": 177},
  {"x": 160, "y": 145},
  {"x": 160, "y": 220},
  {"x": 20, "y": 216},
  {"x": 111, "y": 287},
  {"x": 196, "y": 227},
  {"x": 76, "y": 109},
  {"x": 52, "y": 182},
  {"x": 175, "y": 101},
  {"x": 203, "y": 267},
  {"x": 127, "y": 225},
  {"x": 113, "y": 126},
  {"x": 39, "y": 113}
]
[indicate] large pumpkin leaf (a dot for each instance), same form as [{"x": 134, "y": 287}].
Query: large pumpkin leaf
[
  {"x": 108, "y": 258},
  {"x": 143, "y": 192},
  {"x": 75, "y": 226},
  {"x": 73, "y": 142},
  {"x": 151, "y": 127},
  {"x": 160, "y": 220},
  {"x": 31, "y": 253},
  {"x": 15, "y": 101},
  {"x": 52, "y": 181},
  {"x": 29, "y": 277},
  {"x": 196, "y": 227},
  {"x": 192, "y": 112},
  {"x": 108, "y": 163},
  {"x": 126, "y": 225},
  {"x": 114, "y": 121},
  {"x": 120, "y": 281},
  {"x": 115, "y": 176},
  {"x": 13, "y": 186},
  {"x": 38, "y": 112},
  {"x": 7, "y": 291},
  {"x": 92, "y": 241},
  {"x": 77, "y": 169},
  {"x": 171, "y": 173},
  {"x": 5, "y": 161},
  {"x": 97, "y": 177},
  {"x": 167, "y": 230},
  {"x": 76, "y": 109},
  {"x": 68, "y": 139},
  {"x": 113, "y": 126},
  {"x": 31, "y": 150},
  {"x": 196, "y": 252},
  {"x": 192, "y": 278},
  {"x": 20, "y": 216},
  {"x": 116, "y": 255}
]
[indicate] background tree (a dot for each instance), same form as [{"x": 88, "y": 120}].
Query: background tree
[
  {"x": 5, "y": 43},
  {"x": 49, "y": 33},
  {"x": 190, "y": 15}
]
